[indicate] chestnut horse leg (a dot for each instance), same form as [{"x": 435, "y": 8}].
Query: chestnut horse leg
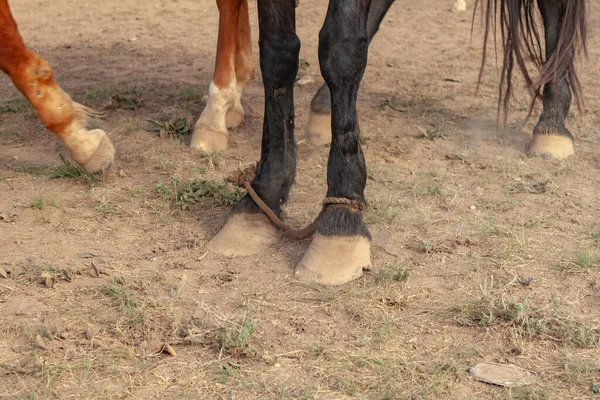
[
  {"x": 234, "y": 68},
  {"x": 244, "y": 66},
  {"x": 32, "y": 75}
]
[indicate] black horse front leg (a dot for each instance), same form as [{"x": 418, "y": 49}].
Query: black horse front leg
[
  {"x": 249, "y": 230},
  {"x": 341, "y": 245},
  {"x": 551, "y": 138},
  {"x": 318, "y": 127}
]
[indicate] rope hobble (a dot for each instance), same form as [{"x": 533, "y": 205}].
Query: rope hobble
[{"x": 243, "y": 179}]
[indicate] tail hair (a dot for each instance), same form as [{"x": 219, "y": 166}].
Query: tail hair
[{"x": 522, "y": 34}]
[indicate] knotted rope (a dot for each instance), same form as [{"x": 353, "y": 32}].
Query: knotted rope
[{"x": 244, "y": 177}]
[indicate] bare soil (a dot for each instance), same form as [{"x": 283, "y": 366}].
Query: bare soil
[{"x": 479, "y": 253}]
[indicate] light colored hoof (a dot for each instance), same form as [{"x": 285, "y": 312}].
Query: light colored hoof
[
  {"x": 318, "y": 129},
  {"x": 244, "y": 235},
  {"x": 548, "y": 146},
  {"x": 334, "y": 260},
  {"x": 234, "y": 117},
  {"x": 103, "y": 157},
  {"x": 459, "y": 6},
  {"x": 208, "y": 140}
]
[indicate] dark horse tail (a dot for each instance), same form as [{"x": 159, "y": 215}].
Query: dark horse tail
[{"x": 522, "y": 42}]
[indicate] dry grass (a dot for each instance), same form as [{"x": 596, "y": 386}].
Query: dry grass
[{"x": 479, "y": 253}]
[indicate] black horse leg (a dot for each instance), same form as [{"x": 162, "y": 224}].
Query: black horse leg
[
  {"x": 249, "y": 231},
  {"x": 318, "y": 128},
  {"x": 551, "y": 138},
  {"x": 341, "y": 246}
]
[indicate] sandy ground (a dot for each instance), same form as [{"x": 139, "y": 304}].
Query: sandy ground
[{"x": 479, "y": 253}]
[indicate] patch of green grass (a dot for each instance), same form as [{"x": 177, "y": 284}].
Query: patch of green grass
[
  {"x": 586, "y": 259},
  {"x": 70, "y": 170},
  {"x": 15, "y": 105},
  {"x": 126, "y": 300},
  {"x": 197, "y": 191},
  {"x": 31, "y": 169},
  {"x": 126, "y": 100},
  {"x": 163, "y": 190},
  {"x": 100, "y": 94},
  {"x": 193, "y": 93},
  {"x": 432, "y": 133},
  {"x": 105, "y": 207},
  {"x": 382, "y": 213},
  {"x": 496, "y": 308},
  {"x": 40, "y": 202},
  {"x": 427, "y": 191},
  {"x": 177, "y": 128},
  {"x": 213, "y": 159},
  {"x": 391, "y": 272},
  {"x": 527, "y": 394},
  {"x": 199, "y": 169},
  {"x": 235, "y": 340}
]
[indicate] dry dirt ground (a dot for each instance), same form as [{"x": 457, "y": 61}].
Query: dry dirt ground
[{"x": 479, "y": 253}]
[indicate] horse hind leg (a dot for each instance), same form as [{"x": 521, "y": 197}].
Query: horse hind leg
[
  {"x": 210, "y": 131},
  {"x": 32, "y": 75},
  {"x": 318, "y": 127},
  {"x": 551, "y": 138}
]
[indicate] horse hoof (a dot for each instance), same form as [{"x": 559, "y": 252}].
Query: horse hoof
[
  {"x": 318, "y": 129},
  {"x": 234, "y": 117},
  {"x": 244, "y": 234},
  {"x": 548, "y": 146},
  {"x": 334, "y": 260},
  {"x": 103, "y": 157},
  {"x": 209, "y": 140}
]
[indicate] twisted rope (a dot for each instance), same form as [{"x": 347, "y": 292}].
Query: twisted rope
[{"x": 244, "y": 177}]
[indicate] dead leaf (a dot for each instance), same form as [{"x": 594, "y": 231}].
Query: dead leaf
[
  {"x": 166, "y": 349},
  {"x": 89, "y": 332},
  {"x": 39, "y": 342},
  {"x": 66, "y": 275},
  {"x": 47, "y": 279},
  {"x": 3, "y": 273},
  {"x": 96, "y": 270}
]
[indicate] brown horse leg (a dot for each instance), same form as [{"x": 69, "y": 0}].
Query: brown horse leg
[
  {"x": 244, "y": 66},
  {"x": 210, "y": 132},
  {"x": 32, "y": 75}
]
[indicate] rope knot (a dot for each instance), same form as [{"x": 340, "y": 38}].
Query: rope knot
[{"x": 240, "y": 177}]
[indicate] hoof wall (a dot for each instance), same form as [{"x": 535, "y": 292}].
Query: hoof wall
[
  {"x": 244, "y": 235},
  {"x": 318, "y": 129},
  {"x": 234, "y": 117},
  {"x": 103, "y": 157},
  {"x": 334, "y": 260},
  {"x": 551, "y": 146},
  {"x": 208, "y": 140}
]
